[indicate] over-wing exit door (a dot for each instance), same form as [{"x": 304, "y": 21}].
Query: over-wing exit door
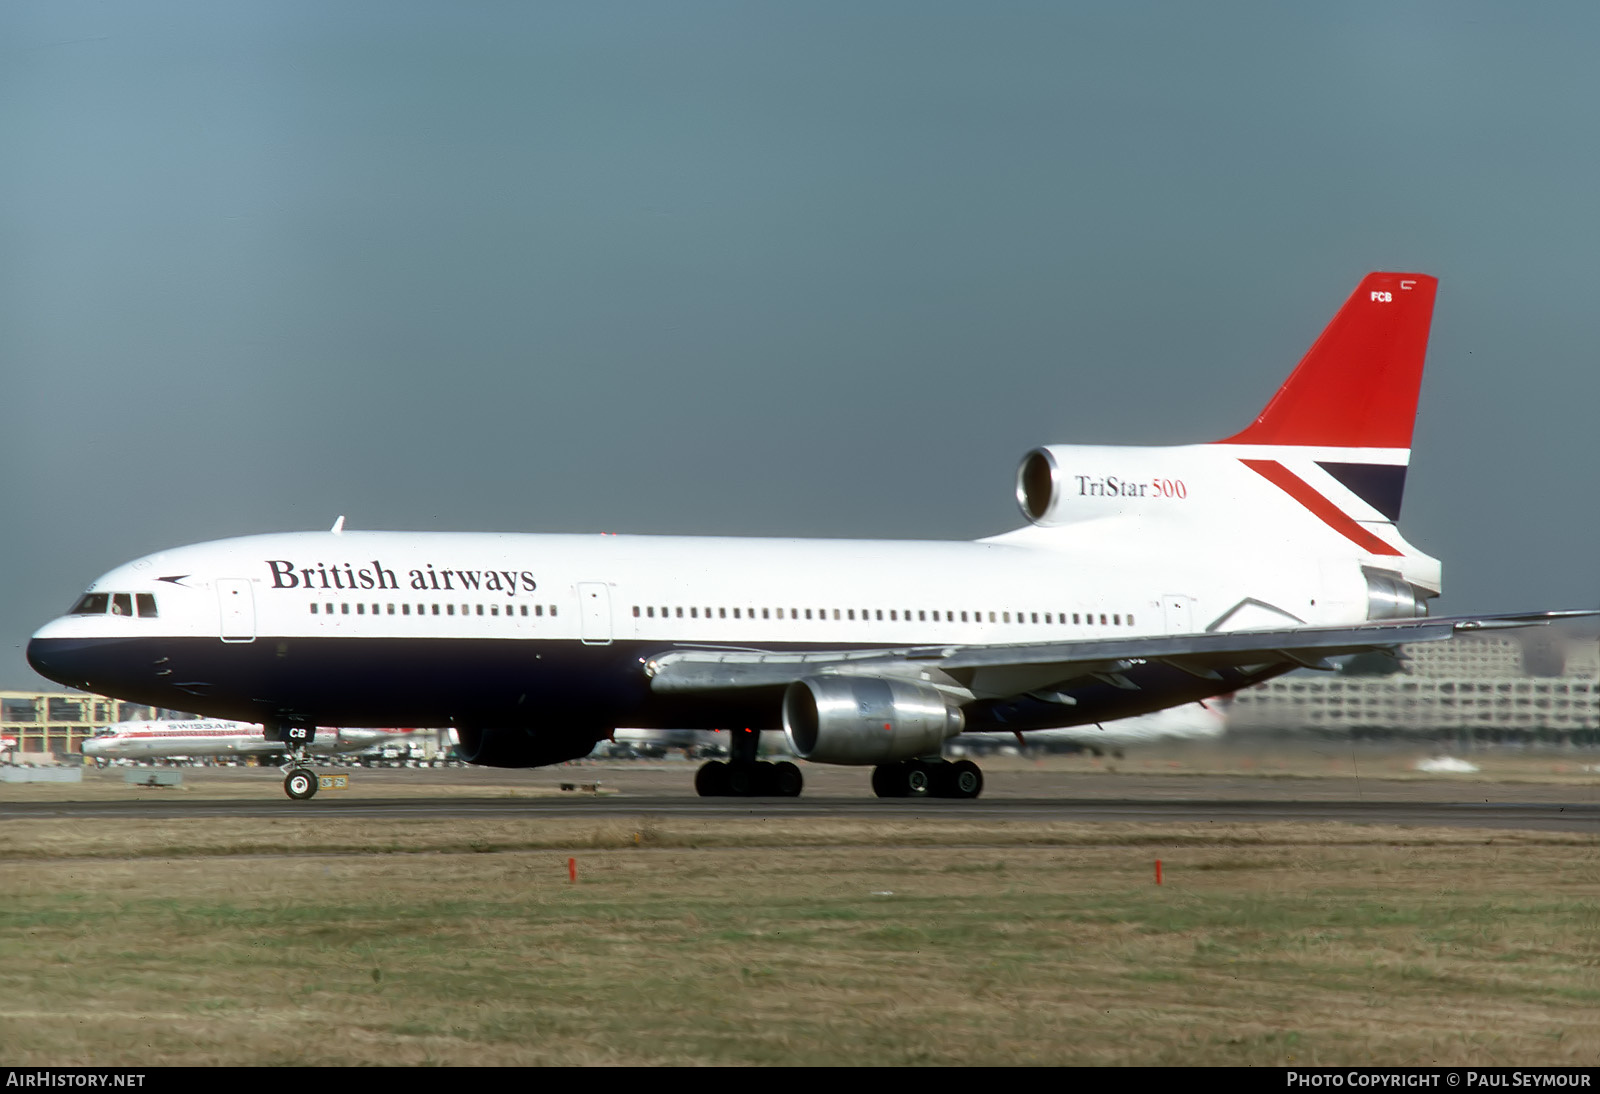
[{"x": 1178, "y": 611}]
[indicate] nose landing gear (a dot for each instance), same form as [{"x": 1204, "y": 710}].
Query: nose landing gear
[{"x": 300, "y": 782}]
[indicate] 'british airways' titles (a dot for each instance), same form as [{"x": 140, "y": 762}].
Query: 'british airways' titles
[{"x": 345, "y": 575}]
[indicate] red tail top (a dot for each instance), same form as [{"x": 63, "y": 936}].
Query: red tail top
[{"x": 1356, "y": 387}]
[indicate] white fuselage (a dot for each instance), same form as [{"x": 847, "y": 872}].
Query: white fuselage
[{"x": 446, "y": 629}]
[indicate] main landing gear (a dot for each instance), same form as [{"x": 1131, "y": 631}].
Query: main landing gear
[
  {"x": 300, "y": 781},
  {"x": 752, "y": 779},
  {"x": 928, "y": 778},
  {"x": 744, "y": 776}
]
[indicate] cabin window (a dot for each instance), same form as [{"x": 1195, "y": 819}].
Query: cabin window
[
  {"x": 313, "y": 608},
  {"x": 1102, "y": 619},
  {"x": 538, "y": 610},
  {"x": 552, "y": 609},
  {"x": 494, "y": 609},
  {"x": 764, "y": 612},
  {"x": 449, "y": 609},
  {"x": 405, "y": 609},
  {"x": 525, "y": 610},
  {"x": 636, "y": 611},
  {"x": 391, "y": 609},
  {"x": 1117, "y": 619},
  {"x": 361, "y": 609},
  {"x": 436, "y": 609},
  {"x": 147, "y": 605},
  {"x": 344, "y": 608},
  {"x": 1034, "y": 617}
]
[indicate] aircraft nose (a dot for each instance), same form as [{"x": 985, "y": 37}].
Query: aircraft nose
[
  {"x": 50, "y": 659},
  {"x": 76, "y": 662}
]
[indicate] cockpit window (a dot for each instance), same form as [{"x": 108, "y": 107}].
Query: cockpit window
[{"x": 116, "y": 603}]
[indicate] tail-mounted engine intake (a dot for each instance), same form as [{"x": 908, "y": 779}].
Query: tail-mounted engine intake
[
  {"x": 1038, "y": 485},
  {"x": 863, "y": 720},
  {"x": 1063, "y": 483},
  {"x": 1390, "y": 596}
]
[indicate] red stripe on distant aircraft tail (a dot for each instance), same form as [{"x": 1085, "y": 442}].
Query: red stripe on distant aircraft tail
[{"x": 1329, "y": 513}]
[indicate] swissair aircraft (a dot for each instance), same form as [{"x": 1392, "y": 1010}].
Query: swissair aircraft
[
  {"x": 1145, "y": 578},
  {"x": 209, "y": 737},
  {"x": 1190, "y": 722}
]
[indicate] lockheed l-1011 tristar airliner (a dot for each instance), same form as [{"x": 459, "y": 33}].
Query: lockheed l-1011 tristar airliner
[{"x": 1146, "y": 577}]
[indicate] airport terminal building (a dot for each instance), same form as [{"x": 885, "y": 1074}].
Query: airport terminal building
[
  {"x": 57, "y": 722},
  {"x": 1532, "y": 686}
]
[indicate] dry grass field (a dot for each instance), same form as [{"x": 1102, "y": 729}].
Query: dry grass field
[{"x": 794, "y": 941}]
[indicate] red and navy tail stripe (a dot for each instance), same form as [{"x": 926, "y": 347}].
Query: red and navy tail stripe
[{"x": 1325, "y": 510}]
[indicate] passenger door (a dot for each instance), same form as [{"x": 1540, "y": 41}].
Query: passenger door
[
  {"x": 594, "y": 611},
  {"x": 236, "y": 608}
]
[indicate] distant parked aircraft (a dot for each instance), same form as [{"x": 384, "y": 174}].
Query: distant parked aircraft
[{"x": 208, "y": 737}]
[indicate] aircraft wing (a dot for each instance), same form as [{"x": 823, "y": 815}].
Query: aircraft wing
[{"x": 997, "y": 671}]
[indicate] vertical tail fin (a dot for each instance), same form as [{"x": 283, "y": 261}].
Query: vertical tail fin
[
  {"x": 1319, "y": 474},
  {"x": 1357, "y": 385}
]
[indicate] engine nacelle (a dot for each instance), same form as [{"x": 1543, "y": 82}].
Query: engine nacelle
[
  {"x": 1390, "y": 596},
  {"x": 865, "y": 720},
  {"x": 521, "y": 747},
  {"x": 1063, "y": 483}
]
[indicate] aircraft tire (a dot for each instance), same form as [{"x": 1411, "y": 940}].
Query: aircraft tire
[
  {"x": 300, "y": 784},
  {"x": 745, "y": 780},
  {"x": 787, "y": 782},
  {"x": 964, "y": 780},
  {"x": 711, "y": 781},
  {"x": 889, "y": 780}
]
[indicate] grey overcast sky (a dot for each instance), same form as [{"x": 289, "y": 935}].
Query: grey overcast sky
[{"x": 816, "y": 269}]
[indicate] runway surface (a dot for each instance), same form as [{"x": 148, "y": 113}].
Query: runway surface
[
  {"x": 664, "y": 790},
  {"x": 1525, "y": 815}
]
